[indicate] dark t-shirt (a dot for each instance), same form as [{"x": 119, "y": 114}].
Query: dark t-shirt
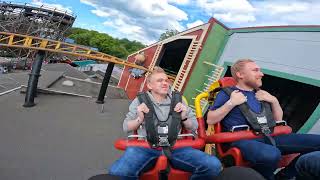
[{"x": 235, "y": 116}]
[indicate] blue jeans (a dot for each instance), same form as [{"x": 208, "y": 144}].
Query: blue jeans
[
  {"x": 265, "y": 157},
  {"x": 137, "y": 159},
  {"x": 308, "y": 166}
]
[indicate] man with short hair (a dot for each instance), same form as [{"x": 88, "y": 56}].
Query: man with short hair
[
  {"x": 136, "y": 160},
  {"x": 263, "y": 153}
]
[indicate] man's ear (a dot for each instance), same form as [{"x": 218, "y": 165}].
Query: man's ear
[
  {"x": 239, "y": 75},
  {"x": 148, "y": 86}
]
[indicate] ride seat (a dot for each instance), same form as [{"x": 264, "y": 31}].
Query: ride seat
[
  {"x": 156, "y": 173},
  {"x": 232, "y": 156}
]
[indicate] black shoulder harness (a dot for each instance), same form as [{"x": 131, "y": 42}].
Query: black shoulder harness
[
  {"x": 161, "y": 133},
  {"x": 262, "y": 122}
]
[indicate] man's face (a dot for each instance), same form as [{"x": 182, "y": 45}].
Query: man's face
[
  {"x": 159, "y": 83},
  {"x": 251, "y": 75}
]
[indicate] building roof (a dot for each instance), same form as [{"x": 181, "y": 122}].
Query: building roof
[
  {"x": 84, "y": 62},
  {"x": 66, "y": 68}
]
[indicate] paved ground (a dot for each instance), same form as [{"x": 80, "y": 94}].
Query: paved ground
[{"x": 61, "y": 138}]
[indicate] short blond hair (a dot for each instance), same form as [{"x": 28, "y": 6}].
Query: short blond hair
[
  {"x": 156, "y": 70},
  {"x": 238, "y": 66}
]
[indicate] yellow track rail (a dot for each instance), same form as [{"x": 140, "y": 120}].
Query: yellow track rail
[{"x": 12, "y": 40}]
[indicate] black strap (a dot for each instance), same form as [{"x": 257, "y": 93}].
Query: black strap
[
  {"x": 228, "y": 91},
  {"x": 270, "y": 139},
  {"x": 167, "y": 152},
  {"x": 176, "y": 98},
  {"x": 144, "y": 98},
  {"x": 165, "y": 173},
  {"x": 245, "y": 109}
]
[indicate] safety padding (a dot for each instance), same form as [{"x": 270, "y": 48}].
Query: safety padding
[
  {"x": 161, "y": 165},
  {"x": 122, "y": 144},
  {"x": 227, "y": 137},
  {"x": 286, "y": 159},
  {"x": 227, "y": 81}
]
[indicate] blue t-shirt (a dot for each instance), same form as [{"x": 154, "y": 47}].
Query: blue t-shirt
[{"x": 235, "y": 116}]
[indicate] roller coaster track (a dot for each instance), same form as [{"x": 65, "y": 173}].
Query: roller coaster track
[{"x": 12, "y": 40}]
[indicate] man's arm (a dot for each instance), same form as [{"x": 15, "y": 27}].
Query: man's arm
[
  {"x": 215, "y": 116},
  {"x": 135, "y": 116},
  {"x": 218, "y": 114},
  {"x": 190, "y": 122},
  {"x": 134, "y": 124},
  {"x": 277, "y": 112}
]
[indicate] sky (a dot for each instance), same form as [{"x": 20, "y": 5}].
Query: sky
[{"x": 146, "y": 20}]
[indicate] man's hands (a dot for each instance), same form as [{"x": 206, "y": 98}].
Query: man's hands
[
  {"x": 277, "y": 112},
  {"x": 180, "y": 107},
  {"x": 237, "y": 98},
  {"x": 262, "y": 95},
  {"x": 141, "y": 109}
]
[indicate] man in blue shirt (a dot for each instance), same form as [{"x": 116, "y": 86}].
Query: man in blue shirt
[{"x": 259, "y": 152}]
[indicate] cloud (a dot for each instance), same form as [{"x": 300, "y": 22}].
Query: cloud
[
  {"x": 230, "y": 11},
  {"x": 194, "y": 24},
  {"x": 235, "y": 18},
  {"x": 146, "y": 20},
  {"x": 52, "y": 6},
  {"x": 236, "y": 6},
  {"x": 180, "y": 2},
  {"x": 282, "y": 8},
  {"x": 138, "y": 20},
  {"x": 287, "y": 12},
  {"x": 100, "y": 13},
  {"x": 240, "y": 13}
]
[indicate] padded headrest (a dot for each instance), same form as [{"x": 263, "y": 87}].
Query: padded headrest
[{"x": 227, "y": 81}]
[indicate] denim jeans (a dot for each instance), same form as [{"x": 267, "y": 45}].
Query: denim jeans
[
  {"x": 265, "y": 157},
  {"x": 308, "y": 166},
  {"x": 137, "y": 159}
]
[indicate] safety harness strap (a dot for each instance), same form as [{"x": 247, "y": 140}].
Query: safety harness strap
[
  {"x": 152, "y": 120},
  {"x": 265, "y": 126},
  {"x": 149, "y": 122},
  {"x": 162, "y": 133}
]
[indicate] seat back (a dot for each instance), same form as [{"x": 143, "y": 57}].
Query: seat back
[
  {"x": 224, "y": 82},
  {"x": 156, "y": 172},
  {"x": 227, "y": 82},
  {"x": 218, "y": 129}
]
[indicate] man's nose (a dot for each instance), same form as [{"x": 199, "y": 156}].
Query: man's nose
[{"x": 261, "y": 74}]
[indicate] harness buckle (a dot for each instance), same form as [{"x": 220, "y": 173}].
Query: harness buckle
[
  {"x": 262, "y": 120},
  {"x": 265, "y": 129},
  {"x": 163, "y": 129},
  {"x": 163, "y": 141}
]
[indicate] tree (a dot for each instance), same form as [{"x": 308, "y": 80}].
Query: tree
[
  {"x": 116, "y": 47},
  {"x": 168, "y": 33}
]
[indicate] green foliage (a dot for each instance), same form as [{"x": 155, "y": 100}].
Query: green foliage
[
  {"x": 168, "y": 33},
  {"x": 116, "y": 47}
]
